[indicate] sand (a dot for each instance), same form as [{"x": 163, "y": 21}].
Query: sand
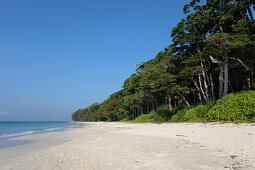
[{"x": 136, "y": 146}]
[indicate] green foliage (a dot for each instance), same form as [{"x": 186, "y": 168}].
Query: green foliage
[
  {"x": 191, "y": 115},
  {"x": 162, "y": 113},
  {"x": 199, "y": 111},
  {"x": 174, "y": 118},
  {"x": 235, "y": 106},
  {"x": 181, "y": 113},
  {"x": 125, "y": 120},
  {"x": 144, "y": 118},
  {"x": 184, "y": 72}
]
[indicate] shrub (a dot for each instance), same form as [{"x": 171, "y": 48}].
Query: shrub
[
  {"x": 233, "y": 107},
  {"x": 125, "y": 120},
  {"x": 144, "y": 118},
  {"x": 120, "y": 115},
  {"x": 162, "y": 113},
  {"x": 181, "y": 113},
  {"x": 209, "y": 105},
  {"x": 174, "y": 118},
  {"x": 191, "y": 114},
  {"x": 152, "y": 115},
  {"x": 199, "y": 111}
]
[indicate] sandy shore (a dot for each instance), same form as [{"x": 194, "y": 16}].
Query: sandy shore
[{"x": 137, "y": 146}]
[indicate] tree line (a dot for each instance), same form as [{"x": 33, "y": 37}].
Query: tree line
[{"x": 211, "y": 55}]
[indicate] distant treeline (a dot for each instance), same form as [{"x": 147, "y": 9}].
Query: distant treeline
[{"x": 212, "y": 54}]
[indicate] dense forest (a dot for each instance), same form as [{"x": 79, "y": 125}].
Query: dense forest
[{"x": 212, "y": 54}]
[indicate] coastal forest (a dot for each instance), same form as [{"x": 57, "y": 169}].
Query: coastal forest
[{"x": 206, "y": 74}]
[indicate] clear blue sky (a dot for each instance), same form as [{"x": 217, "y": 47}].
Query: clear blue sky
[{"x": 57, "y": 56}]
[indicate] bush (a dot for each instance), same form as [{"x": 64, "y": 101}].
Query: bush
[
  {"x": 162, "y": 113},
  {"x": 181, "y": 113},
  {"x": 120, "y": 115},
  {"x": 144, "y": 118},
  {"x": 191, "y": 114},
  {"x": 125, "y": 120},
  {"x": 233, "y": 107},
  {"x": 174, "y": 118},
  {"x": 199, "y": 111}
]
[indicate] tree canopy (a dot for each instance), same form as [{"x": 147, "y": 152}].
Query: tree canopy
[{"x": 211, "y": 55}]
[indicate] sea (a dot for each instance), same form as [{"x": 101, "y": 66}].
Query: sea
[{"x": 15, "y": 129}]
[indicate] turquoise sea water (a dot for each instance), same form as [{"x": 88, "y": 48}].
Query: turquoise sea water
[{"x": 14, "y": 129}]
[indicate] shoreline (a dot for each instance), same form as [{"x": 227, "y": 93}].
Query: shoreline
[
  {"x": 5, "y": 137},
  {"x": 24, "y": 147},
  {"x": 114, "y": 145}
]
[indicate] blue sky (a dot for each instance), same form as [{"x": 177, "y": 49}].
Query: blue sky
[{"x": 57, "y": 56}]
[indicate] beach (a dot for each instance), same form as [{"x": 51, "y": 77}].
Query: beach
[{"x": 108, "y": 145}]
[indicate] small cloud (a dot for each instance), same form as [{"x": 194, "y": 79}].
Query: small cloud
[{"x": 3, "y": 113}]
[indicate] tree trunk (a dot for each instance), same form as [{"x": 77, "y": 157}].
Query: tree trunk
[
  {"x": 187, "y": 103},
  {"x": 249, "y": 83},
  {"x": 199, "y": 97},
  {"x": 193, "y": 97},
  {"x": 199, "y": 90},
  {"x": 205, "y": 83},
  {"x": 252, "y": 77},
  {"x": 225, "y": 78},
  {"x": 201, "y": 87},
  {"x": 221, "y": 83},
  {"x": 134, "y": 113},
  {"x": 147, "y": 106},
  {"x": 153, "y": 108},
  {"x": 221, "y": 29},
  {"x": 231, "y": 89},
  {"x": 170, "y": 103},
  {"x": 212, "y": 86},
  {"x": 206, "y": 88}
]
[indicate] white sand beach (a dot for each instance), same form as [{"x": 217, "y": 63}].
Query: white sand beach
[{"x": 136, "y": 146}]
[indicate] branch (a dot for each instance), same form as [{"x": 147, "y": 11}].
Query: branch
[
  {"x": 191, "y": 54},
  {"x": 216, "y": 61},
  {"x": 240, "y": 61},
  {"x": 234, "y": 2}
]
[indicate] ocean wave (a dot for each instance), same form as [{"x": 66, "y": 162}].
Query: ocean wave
[
  {"x": 51, "y": 129},
  {"x": 35, "y": 130},
  {"x": 17, "y": 134}
]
